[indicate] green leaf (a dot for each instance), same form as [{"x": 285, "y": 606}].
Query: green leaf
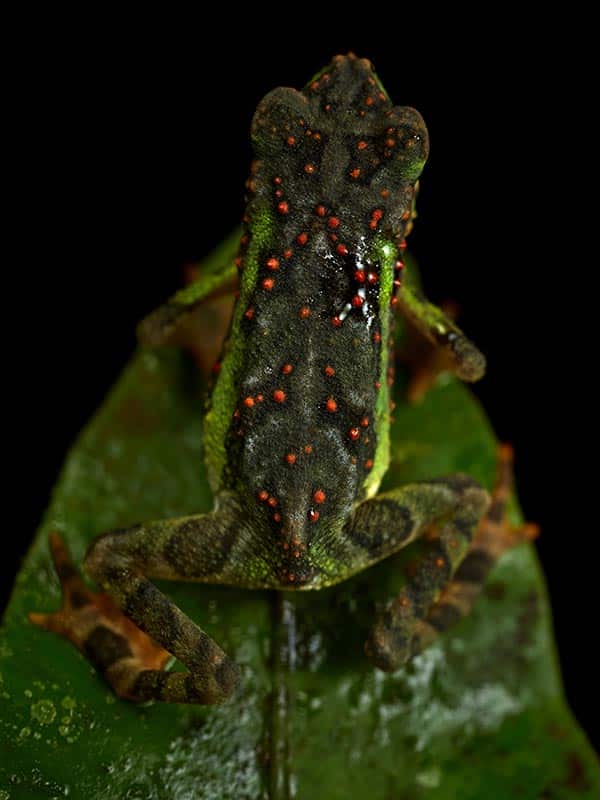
[{"x": 480, "y": 714}]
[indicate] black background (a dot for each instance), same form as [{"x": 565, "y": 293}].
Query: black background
[{"x": 130, "y": 156}]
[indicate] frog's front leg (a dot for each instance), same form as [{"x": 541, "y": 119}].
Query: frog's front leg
[
  {"x": 457, "y": 353},
  {"x": 195, "y": 548}
]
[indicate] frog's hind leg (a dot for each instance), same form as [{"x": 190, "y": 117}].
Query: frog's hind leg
[
  {"x": 494, "y": 536},
  {"x": 462, "y": 550},
  {"x": 94, "y": 623},
  {"x": 130, "y": 640}
]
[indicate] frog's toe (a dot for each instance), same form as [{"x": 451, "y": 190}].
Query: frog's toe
[
  {"x": 228, "y": 675},
  {"x": 387, "y": 648}
]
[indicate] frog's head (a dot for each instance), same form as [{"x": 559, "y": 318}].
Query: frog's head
[{"x": 340, "y": 143}]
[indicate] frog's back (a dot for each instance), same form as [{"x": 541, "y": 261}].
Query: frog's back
[{"x": 307, "y": 356}]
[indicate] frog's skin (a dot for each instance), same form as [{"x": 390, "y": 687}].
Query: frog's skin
[{"x": 297, "y": 432}]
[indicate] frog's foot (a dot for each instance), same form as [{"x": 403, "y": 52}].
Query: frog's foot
[
  {"x": 461, "y": 550},
  {"x": 97, "y": 627},
  {"x": 495, "y": 535}
]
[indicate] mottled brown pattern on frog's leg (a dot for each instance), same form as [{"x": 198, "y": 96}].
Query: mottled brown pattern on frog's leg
[
  {"x": 96, "y": 626},
  {"x": 130, "y": 641},
  {"x": 197, "y": 548},
  {"x": 391, "y": 641},
  {"x": 494, "y": 536}
]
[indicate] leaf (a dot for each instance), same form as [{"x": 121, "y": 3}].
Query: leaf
[{"x": 480, "y": 714}]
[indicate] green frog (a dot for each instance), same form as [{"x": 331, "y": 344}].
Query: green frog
[{"x": 296, "y": 433}]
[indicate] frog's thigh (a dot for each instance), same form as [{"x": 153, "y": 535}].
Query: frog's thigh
[
  {"x": 448, "y": 511},
  {"x": 190, "y": 548}
]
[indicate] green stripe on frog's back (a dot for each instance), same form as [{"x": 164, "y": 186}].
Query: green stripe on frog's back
[
  {"x": 299, "y": 416},
  {"x": 224, "y": 396}
]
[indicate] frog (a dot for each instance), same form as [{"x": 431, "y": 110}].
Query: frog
[{"x": 297, "y": 427}]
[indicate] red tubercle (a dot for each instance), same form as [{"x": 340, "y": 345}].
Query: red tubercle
[
  {"x": 287, "y": 253},
  {"x": 355, "y": 173},
  {"x": 331, "y": 405},
  {"x": 310, "y": 169},
  {"x": 283, "y": 207},
  {"x": 329, "y": 371},
  {"x": 319, "y": 496},
  {"x": 336, "y": 322},
  {"x": 357, "y": 301},
  {"x": 359, "y": 276},
  {"x": 341, "y": 250},
  {"x": 263, "y": 496},
  {"x": 304, "y": 312},
  {"x": 249, "y": 313},
  {"x": 371, "y": 278},
  {"x": 287, "y": 369},
  {"x": 268, "y": 284},
  {"x": 376, "y": 337},
  {"x": 313, "y": 515},
  {"x": 302, "y": 238},
  {"x": 320, "y": 211},
  {"x": 399, "y": 265},
  {"x": 279, "y": 396},
  {"x": 248, "y": 402},
  {"x": 333, "y": 223},
  {"x": 354, "y": 434},
  {"x": 272, "y": 501},
  {"x": 369, "y": 463},
  {"x": 273, "y": 263},
  {"x": 277, "y": 181},
  {"x": 291, "y": 141},
  {"x": 290, "y": 458},
  {"x": 364, "y": 423},
  {"x": 361, "y": 145}
]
